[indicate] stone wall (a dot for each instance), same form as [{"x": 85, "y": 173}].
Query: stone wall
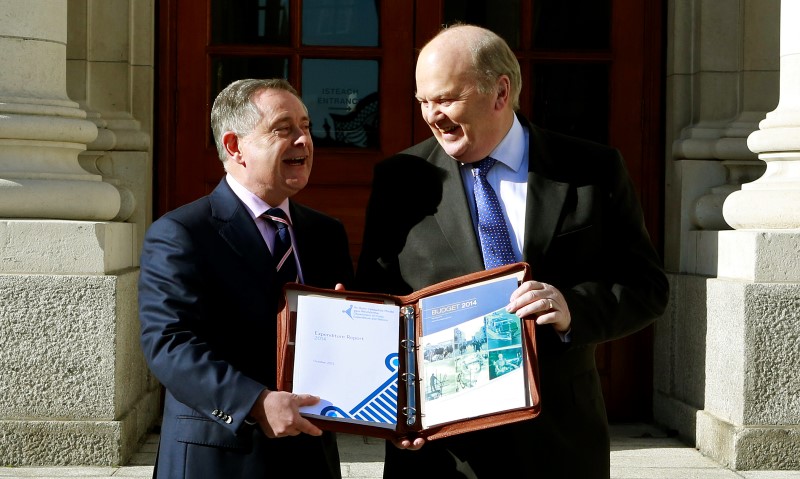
[{"x": 76, "y": 109}]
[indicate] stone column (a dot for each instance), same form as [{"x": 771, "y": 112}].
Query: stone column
[
  {"x": 41, "y": 130},
  {"x": 74, "y": 388},
  {"x": 773, "y": 201},
  {"x": 722, "y": 79},
  {"x": 751, "y": 418}
]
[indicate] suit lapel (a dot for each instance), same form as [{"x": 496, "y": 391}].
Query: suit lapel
[
  {"x": 544, "y": 204},
  {"x": 303, "y": 233},
  {"x": 238, "y": 229},
  {"x": 450, "y": 215},
  {"x": 545, "y": 200}
]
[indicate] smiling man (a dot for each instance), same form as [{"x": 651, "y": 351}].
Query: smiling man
[
  {"x": 564, "y": 205},
  {"x": 209, "y": 289},
  {"x": 457, "y": 102}
]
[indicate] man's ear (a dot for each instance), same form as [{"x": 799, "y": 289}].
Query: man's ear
[
  {"x": 231, "y": 143},
  {"x": 503, "y": 92}
]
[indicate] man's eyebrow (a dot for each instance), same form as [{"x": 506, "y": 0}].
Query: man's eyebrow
[
  {"x": 286, "y": 119},
  {"x": 436, "y": 96}
]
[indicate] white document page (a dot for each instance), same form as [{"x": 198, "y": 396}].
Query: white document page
[{"x": 346, "y": 352}]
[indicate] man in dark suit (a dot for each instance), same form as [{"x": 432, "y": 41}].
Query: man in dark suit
[
  {"x": 571, "y": 213},
  {"x": 209, "y": 294}
]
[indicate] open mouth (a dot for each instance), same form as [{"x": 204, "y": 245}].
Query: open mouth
[
  {"x": 295, "y": 161},
  {"x": 449, "y": 129}
]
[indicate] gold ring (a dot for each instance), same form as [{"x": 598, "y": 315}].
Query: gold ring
[{"x": 550, "y": 303}]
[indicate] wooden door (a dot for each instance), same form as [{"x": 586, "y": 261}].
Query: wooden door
[
  {"x": 349, "y": 59},
  {"x": 590, "y": 68}
]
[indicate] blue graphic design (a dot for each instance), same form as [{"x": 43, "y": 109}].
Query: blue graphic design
[
  {"x": 448, "y": 310},
  {"x": 349, "y": 311},
  {"x": 380, "y": 405}
]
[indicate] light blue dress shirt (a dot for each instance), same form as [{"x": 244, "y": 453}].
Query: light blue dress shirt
[{"x": 509, "y": 178}]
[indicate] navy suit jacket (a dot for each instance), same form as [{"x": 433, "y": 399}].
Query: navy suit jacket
[
  {"x": 584, "y": 234},
  {"x": 207, "y": 305}
]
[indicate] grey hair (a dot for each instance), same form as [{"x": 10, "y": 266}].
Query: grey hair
[{"x": 234, "y": 110}]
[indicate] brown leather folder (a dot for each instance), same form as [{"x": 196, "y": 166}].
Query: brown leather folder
[{"x": 411, "y": 391}]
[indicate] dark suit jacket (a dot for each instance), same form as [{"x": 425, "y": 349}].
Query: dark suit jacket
[
  {"x": 208, "y": 306},
  {"x": 584, "y": 234}
]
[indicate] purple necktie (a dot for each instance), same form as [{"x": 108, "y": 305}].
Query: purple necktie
[
  {"x": 495, "y": 241},
  {"x": 282, "y": 251}
]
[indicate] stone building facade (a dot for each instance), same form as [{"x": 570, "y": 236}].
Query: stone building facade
[
  {"x": 76, "y": 165},
  {"x": 727, "y": 352}
]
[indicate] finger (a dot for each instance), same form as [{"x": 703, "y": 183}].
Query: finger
[
  {"x": 517, "y": 299},
  {"x": 406, "y": 443},
  {"x": 417, "y": 444},
  {"x": 305, "y": 426},
  {"x": 530, "y": 305},
  {"x": 305, "y": 399},
  {"x": 526, "y": 287},
  {"x": 525, "y": 304},
  {"x": 401, "y": 443},
  {"x": 339, "y": 287},
  {"x": 548, "y": 304},
  {"x": 546, "y": 318}
]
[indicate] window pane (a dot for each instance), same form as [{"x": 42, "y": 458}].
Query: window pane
[
  {"x": 225, "y": 70},
  {"x": 340, "y": 22},
  {"x": 342, "y": 101},
  {"x": 250, "y": 22},
  {"x": 571, "y": 24},
  {"x": 572, "y": 99},
  {"x": 499, "y": 16}
]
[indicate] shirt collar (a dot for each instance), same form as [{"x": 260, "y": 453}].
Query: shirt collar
[
  {"x": 511, "y": 149},
  {"x": 255, "y": 205}
]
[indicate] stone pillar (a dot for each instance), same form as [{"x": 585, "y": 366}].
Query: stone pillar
[
  {"x": 74, "y": 389},
  {"x": 41, "y": 130},
  {"x": 751, "y": 418},
  {"x": 722, "y": 79},
  {"x": 773, "y": 201}
]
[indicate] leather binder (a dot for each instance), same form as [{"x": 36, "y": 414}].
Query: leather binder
[{"x": 411, "y": 387}]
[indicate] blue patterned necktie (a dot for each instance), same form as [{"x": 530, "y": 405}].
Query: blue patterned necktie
[
  {"x": 282, "y": 251},
  {"x": 495, "y": 241}
]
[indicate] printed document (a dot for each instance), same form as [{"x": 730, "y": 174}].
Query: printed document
[
  {"x": 346, "y": 352},
  {"x": 471, "y": 353}
]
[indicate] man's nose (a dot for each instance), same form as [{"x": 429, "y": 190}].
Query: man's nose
[
  {"x": 303, "y": 136},
  {"x": 431, "y": 112}
]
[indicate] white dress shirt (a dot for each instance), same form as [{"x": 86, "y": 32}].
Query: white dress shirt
[{"x": 257, "y": 207}]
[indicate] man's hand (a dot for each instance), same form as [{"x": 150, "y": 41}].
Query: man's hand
[
  {"x": 406, "y": 443},
  {"x": 278, "y": 413},
  {"x": 542, "y": 300}
]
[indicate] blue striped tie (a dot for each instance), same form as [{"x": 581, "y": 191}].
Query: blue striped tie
[
  {"x": 492, "y": 229},
  {"x": 282, "y": 251}
]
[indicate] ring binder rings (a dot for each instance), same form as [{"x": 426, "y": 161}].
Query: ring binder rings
[
  {"x": 409, "y": 345},
  {"x": 484, "y": 373}
]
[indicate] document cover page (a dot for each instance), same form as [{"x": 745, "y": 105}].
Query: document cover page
[
  {"x": 346, "y": 352},
  {"x": 471, "y": 353}
]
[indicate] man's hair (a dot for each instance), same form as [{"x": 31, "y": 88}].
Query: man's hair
[
  {"x": 235, "y": 111},
  {"x": 492, "y": 57}
]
